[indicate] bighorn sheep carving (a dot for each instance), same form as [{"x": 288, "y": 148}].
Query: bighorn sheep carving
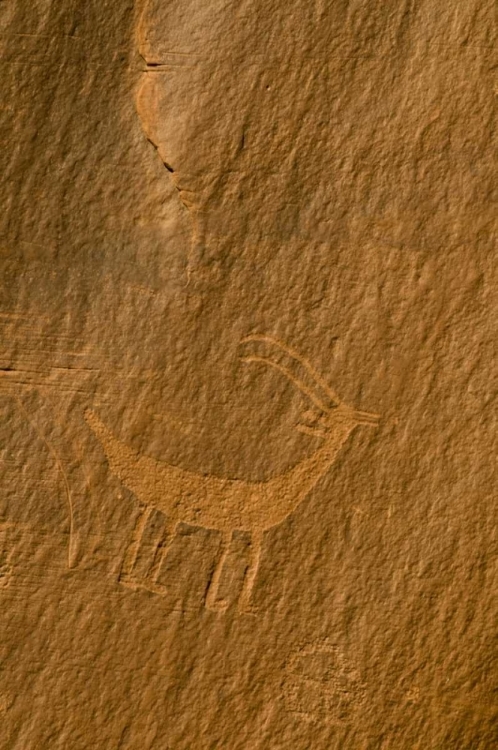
[{"x": 229, "y": 505}]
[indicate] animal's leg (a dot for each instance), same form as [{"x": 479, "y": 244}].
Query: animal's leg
[
  {"x": 212, "y": 601},
  {"x": 245, "y": 605},
  {"x": 162, "y": 551},
  {"x": 131, "y": 553}
]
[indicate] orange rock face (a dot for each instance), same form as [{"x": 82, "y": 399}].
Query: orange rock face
[{"x": 247, "y": 375}]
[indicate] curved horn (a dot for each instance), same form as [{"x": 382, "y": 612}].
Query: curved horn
[
  {"x": 298, "y": 383},
  {"x": 296, "y": 356}
]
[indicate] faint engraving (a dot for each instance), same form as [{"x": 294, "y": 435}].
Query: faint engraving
[
  {"x": 320, "y": 685},
  {"x": 5, "y": 567},
  {"x": 34, "y": 423},
  {"x": 6, "y": 703},
  {"x": 5, "y": 574},
  {"x": 230, "y": 505}
]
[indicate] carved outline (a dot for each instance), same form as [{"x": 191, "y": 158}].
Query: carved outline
[{"x": 230, "y": 505}]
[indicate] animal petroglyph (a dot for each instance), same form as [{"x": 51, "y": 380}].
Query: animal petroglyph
[
  {"x": 320, "y": 685},
  {"x": 229, "y": 505}
]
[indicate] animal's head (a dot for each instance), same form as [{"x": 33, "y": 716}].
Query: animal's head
[{"x": 330, "y": 413}]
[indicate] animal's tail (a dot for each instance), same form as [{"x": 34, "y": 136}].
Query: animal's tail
[
  {"x": 115, "y": 451},
  {"x": 98, "y": 427},
  {"x": 122, "y": 459}
]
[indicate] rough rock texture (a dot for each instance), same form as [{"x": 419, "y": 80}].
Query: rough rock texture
[{"x": 180, "y": 567}]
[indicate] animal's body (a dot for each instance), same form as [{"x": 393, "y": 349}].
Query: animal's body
[
  {"x": 211, "y": 502},
  {"x": 229, "y": 505}
]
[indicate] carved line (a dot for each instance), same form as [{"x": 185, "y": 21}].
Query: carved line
[
  {"x": 299, "y": 358},
  {"x": 58, "y": 461},
  {"x": 298, "y": 383}
]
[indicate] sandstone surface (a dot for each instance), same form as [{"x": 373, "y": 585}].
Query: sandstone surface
[{"x": 248, "y": 375}]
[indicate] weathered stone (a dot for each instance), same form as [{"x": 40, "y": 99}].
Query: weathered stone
[{"x": 222, "y": 222}]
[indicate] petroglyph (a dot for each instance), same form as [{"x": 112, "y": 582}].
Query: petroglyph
[
  {"x": 230, "y": 505},
  {"x": 320, "y": 685}
]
